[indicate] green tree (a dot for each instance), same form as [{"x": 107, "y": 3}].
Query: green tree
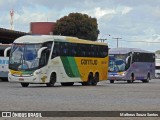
[
  {"x": 77, "y": 25},
  {"x": 157, "y": 52}
]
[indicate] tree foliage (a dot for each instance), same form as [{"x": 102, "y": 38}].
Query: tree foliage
[
  {"x": 77, "y": 25},
  {"x": 157, "y": 52}
]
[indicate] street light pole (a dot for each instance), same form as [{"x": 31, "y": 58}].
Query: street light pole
[
  {"x": 102, "y": 40},
  {"x": 117, "y": 40}
]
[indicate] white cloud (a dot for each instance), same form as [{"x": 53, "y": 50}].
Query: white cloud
[
  {"x": 131, "y": 20},
  {"x": 123, "y": 10},
  {"x": 155, "y": 38},
  {"x": 126, "y": 10},
  {"x": 156, "y": 12},
  {"x": 23, "y": 19},
  {"x": 99, "y": 12}
]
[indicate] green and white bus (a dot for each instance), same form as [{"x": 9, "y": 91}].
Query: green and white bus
[{"x": 49, "y": 59}]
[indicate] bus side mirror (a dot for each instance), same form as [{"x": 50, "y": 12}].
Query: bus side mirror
[
  {"x": 6, "y": 50},
  {"x": 40, "y": 51},
  {"x": 127, "y": 59}
]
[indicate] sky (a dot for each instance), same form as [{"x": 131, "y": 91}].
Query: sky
[{"x": 137, "y": 22}]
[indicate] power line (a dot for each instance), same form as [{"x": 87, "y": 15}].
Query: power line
[
  {"x": 139, "y": 41},
  {"x": 142, "y": 41}
]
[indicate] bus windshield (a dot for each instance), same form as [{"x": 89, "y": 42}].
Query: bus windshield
[
  {"x": 24, "y": 56},
  {"x": 117, "y": 63}
]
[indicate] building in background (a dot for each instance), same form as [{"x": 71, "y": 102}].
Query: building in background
[
  {"x": 8, "y": 36},
  {"x": 42, "y": 28},
  {"x": 157, "y": 64}
]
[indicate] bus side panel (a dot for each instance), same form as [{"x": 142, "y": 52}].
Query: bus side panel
[
  {"x": 65, "y": 68},
  {"x": 70, "y": 66},
  {"x": 4, "y": 67},
  {"x": 87, "y": 65},
  {"x": 141, "y": 70},
  {"x": 80, "y": 67}
]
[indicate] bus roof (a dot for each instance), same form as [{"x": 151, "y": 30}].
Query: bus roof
[
  {"x": 126, "y": 50},
  {"x": 44, "y": 38}
]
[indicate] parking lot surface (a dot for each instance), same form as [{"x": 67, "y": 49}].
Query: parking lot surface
[{"x": 119, "y": 96}]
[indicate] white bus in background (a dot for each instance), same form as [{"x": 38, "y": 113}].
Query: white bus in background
[
  {"x": 4, "y": 61},
  {"x": 157, "y": 70}
]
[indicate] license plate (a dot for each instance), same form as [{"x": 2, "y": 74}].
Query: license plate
[{"x": 21, "y": 79}]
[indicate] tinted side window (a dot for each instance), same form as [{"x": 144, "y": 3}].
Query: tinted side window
[
  {"x": 1, "y": 52},
  {"x": 143, "y": 57},
  {"x": 46, "y": 53},
  {"x": 79, "y": 50}
]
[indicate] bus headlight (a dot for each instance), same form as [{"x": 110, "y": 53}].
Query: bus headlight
[
  {"x": 36, "y": 72},
  {"x": 122, "y": 73}
]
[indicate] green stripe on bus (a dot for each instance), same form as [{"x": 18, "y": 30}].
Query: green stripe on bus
[
  {"x": 74, "y": 66},
  {"x": 70, "y": 66},
  {"x": 27, "y": 72}
]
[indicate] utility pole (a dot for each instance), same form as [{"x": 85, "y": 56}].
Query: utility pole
[
  {"x": 102, "y": 40},
  {"x": 117, "y": 40}
]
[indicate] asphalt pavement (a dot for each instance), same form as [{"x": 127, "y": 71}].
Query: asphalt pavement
[{"x": 120, "y": 96}]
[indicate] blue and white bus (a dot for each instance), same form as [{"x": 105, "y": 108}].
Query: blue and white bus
[
  {"x": 130, "y": 64},
  {"x": 4, "y": 58}
]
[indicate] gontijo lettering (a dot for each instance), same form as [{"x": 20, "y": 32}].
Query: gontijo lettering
[{"x": 88, "y": 62}]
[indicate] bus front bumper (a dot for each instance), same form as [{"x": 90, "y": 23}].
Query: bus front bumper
[
  {"x": 25, "y": 79},
  {"x": 117, "y": 76}
]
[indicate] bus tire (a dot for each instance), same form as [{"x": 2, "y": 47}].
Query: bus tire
[
  {"x": 132, "y": 79},
  {"x": 67, "y": 84},
  {"x": 90, "y": 80},
  {"x": 111, "y": 81},
  {"x": 96, "y": 79},
  {"x": 84, "y": 83},
  {"x": 52, "y": 80},
  {"x": 147, "y": 80},
  {"x": 4, "y": 79},
  {"x": 129, "y": 81},
  {"x": 24, "y": 84}
]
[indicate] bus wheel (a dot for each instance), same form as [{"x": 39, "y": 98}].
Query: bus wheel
[
  {"x": 24, "y": 84},
  {"x": 84, "y": 83},
  {"x": 52, "y": 80},
  {"x": 147, "y": 80},
  {"x": 95, "y": 80},
  {"x": 129, "y": 81},
  {"x": 5, "y": 79},
  {"x": 67, "y": 84},
  {"x": 90, "y": 80},
  {"x": 111, "y": 81},
  {"x": 132, "y": 79}
]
